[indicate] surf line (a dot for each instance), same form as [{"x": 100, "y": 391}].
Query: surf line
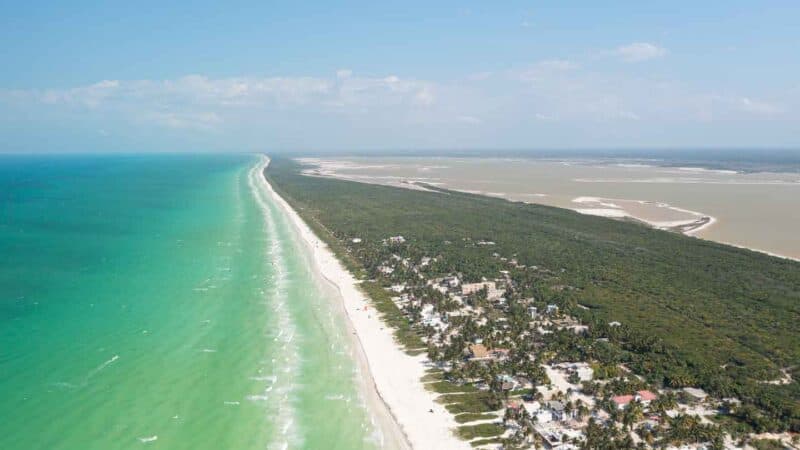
[{"x": 285, "y": 363}]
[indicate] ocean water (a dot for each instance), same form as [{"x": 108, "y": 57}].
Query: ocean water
[{"x": 164, "y": 302}]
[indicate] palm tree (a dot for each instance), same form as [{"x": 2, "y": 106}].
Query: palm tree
[
  {"x": 665, "y": 402},
  {"x": 632, "y": 414}
]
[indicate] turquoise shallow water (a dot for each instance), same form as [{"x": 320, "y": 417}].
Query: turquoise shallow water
[{"x": 163, "y": 302}]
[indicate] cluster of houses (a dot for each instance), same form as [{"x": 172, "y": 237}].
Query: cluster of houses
[{"x": 558, "y": 424}]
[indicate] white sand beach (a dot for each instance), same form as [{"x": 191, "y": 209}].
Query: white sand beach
[
  {"x": 656, "y": 214},
  {"x": 393, "y": 386}
]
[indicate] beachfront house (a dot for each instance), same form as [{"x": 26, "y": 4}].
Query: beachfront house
[
  {"x": 694, "y": 395},
  {"x": 401, "y": 301},
  {"x": 557, "y": 436},
  {"x": 441, "y": 289},
  {"x": 578, "y": 329},
  {"x": 480, "y": 352},
  {"x": 429, "y": 317},
  {"x": 556, "y": 409},
  {"x": 507, "y": 382},
  {"x": 452, "y": 281},
  {"x": 582, "y": 369},
  {"x": 644, "y": 397}
]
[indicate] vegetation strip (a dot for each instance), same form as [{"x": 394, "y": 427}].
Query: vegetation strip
[{"x": 462, "y": 275}]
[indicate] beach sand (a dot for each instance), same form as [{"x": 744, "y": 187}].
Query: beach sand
[{"x": 392, "y": 379}]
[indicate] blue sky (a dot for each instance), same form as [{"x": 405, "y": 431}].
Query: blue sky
[{"x": 145, "y": 76}]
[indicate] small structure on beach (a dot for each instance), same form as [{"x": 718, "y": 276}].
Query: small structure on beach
[
  {"x": 557, "y": 410},
  {"x": 481, "y": 352},
  {"x": 643, "y": 396},
  {"x": 557, "y": 436},
  {"x": 696, "y": 395}
]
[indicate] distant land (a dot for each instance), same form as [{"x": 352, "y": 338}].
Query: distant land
[
  {"x": 544, "y": 325},
  {"x": 725, "y": 200},
  {"x": 739, "y": 160}
]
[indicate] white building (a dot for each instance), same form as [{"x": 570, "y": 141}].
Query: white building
[{"x": 696, "y": 394}]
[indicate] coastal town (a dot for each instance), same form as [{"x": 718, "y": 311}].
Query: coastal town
[
  {"x": 519, "y": 367},
  {"x": 450, "y": 225}
]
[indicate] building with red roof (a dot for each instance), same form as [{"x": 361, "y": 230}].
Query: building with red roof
[{"x": 644, "y": 396}]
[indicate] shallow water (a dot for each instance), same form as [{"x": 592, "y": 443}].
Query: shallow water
[
  {"x": 163, "y": 302},
  {"x": 755, "y": 210}
]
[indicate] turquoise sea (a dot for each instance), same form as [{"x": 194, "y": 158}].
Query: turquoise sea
[{"x": 163, "y": 302}]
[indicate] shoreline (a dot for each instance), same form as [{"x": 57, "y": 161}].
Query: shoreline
[
  {"x": 391, "y": 378},
  {"x": 693, "y": 228},
  {"x": 688, "y": 226}
]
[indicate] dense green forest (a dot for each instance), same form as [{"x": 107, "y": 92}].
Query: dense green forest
[{"x": 694, "y": 312}]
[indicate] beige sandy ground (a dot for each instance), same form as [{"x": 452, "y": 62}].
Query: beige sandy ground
[{"x": 394, "y": 390}]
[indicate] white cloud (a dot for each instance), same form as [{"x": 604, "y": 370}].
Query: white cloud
[
  {"x": 185, "y": 120},
  {"x": 89, "y": 96},
  {"x": 244, "y": 91},
  {"x": 563, "y": 101},
  {"x": 638, "y": 51},
  {"x": 199, "y": 102}
]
